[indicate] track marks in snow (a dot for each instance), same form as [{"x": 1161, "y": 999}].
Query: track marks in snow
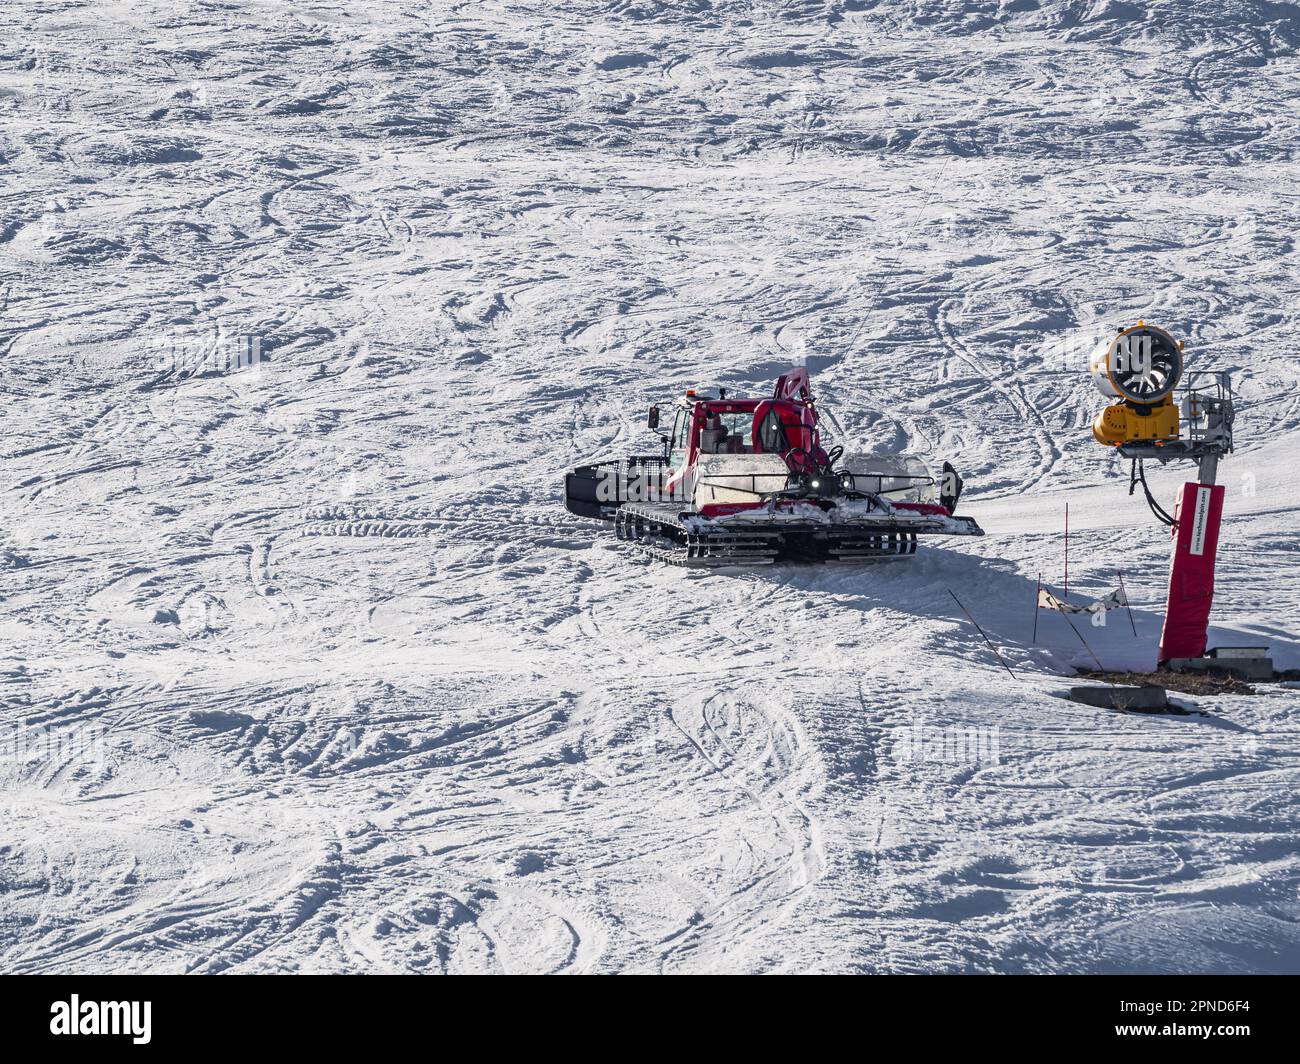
[
  {"x": 376, "y": 703},
  {"x": 1026, "y": 413},
  {"x": 765, "y": 760}
]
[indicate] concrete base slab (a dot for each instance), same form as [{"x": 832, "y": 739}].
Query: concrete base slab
[
  {"x": 1148, "y": 698},
  {"x": 1244, "y": 668}
]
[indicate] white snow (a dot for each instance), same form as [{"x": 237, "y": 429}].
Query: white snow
[{"x": 303, "y": 665}]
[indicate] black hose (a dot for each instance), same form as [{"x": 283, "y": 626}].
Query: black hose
[{"x": 1137, "y": 475}]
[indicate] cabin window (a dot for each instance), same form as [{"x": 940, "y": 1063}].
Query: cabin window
[
  {"x": 739, "y": 438},
  {"x": 771, "y": 433}
]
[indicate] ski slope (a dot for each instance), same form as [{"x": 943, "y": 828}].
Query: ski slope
[{"x": 303, "y": 665}]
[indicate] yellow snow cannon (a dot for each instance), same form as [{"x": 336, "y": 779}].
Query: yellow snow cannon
[{"x": 1141, "y": 366}]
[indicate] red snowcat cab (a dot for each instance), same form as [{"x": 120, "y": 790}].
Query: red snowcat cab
[{"x": 748, "y": 482}]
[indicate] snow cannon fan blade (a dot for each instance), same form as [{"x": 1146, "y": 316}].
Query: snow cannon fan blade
[{"x": 1142, "y": 365}]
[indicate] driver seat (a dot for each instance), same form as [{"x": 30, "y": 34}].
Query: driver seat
[{"x": 713, "y": 435}]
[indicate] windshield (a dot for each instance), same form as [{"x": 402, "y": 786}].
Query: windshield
[{"x": 677, "y": 449}]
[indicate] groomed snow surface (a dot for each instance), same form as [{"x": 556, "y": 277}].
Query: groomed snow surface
[{"x": 306, "y": 309}]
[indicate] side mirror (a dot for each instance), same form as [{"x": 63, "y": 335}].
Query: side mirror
[{"x": 653, "y": 420}]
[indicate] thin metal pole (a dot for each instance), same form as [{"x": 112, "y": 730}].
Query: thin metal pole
[
  {"x": 1124, "y": 591},
  {"x": 986, "y": 638},
  {"x": 1100, "y": 666},
  {"x": 1038, "y": 587},
  {"x": 1067, "y": 551}
]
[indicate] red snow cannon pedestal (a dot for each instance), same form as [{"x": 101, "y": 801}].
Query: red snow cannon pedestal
[{"x": 1191, "y": 578}]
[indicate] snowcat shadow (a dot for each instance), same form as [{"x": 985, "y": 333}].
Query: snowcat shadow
[{"x": 1002, "y": 600}]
